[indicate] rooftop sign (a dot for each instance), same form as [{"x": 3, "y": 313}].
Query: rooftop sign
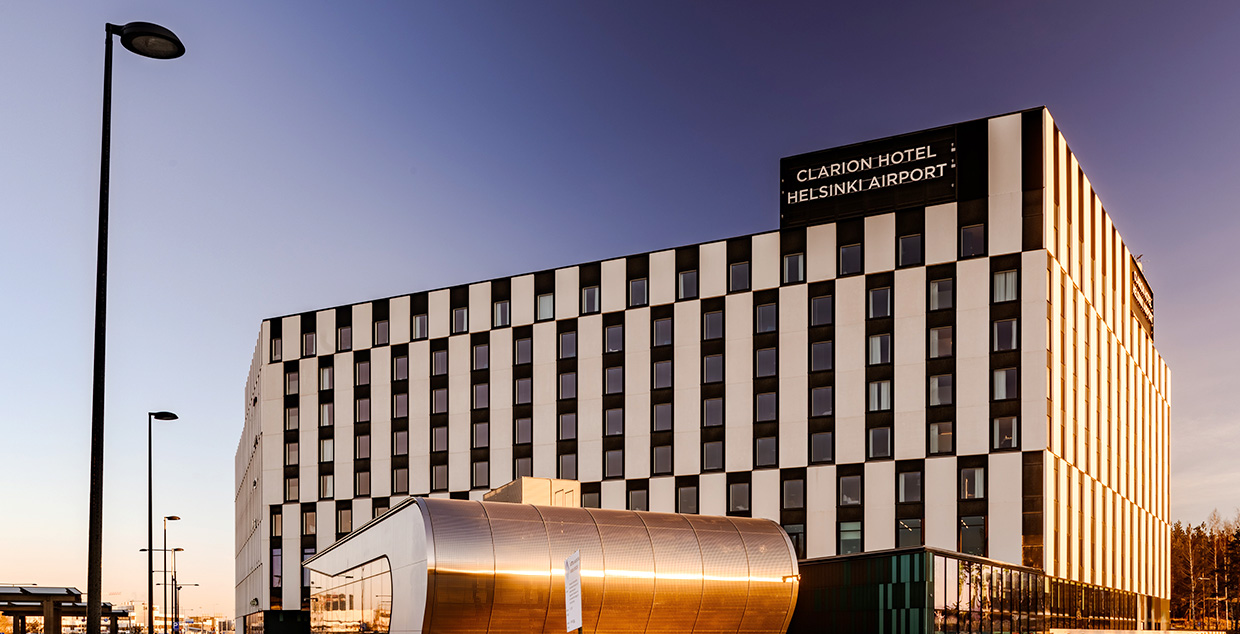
[{"x": 906, "y": 171}]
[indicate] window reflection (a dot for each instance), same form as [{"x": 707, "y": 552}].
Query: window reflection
[{"x": 360, "y": 600}]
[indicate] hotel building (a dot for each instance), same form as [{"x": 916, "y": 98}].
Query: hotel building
[{"x": 945, "y": 343}]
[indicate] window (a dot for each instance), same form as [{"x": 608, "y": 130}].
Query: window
[
  {"x": 482, "y": 356},
  {"x": 481, "y": 474},
  {"x": 765, "y": 318},
  {"x": 712, "y": 325},
  {"x": 712, "y": 412},
  {"x": 589, "y": 300},
  {"x": 361, "y": 447},
  {"x": 972, "y": 241},
  {"x": 662, "y": 374},
  {"x": 638, "y": 500},
  {"x": 1005, "y": 288},
  {"x": 327, "y": 449},
  {"x": 524, "y": 431},
  {"x": 523, "y": 467},
  {"x": 361, "y": 410},
  {"x": 400, "y": 441},
  {"x": 614, "y": 336},
  {"x": 381, "y": 506},
  {"x": 327, "y": 486},
  {"x": 439, "y": 401},
  {"x": 637, "y": 293},
  {"x": 291, "y": 418},
  {"x": 291, "y": 491},
  {"x": 908, "y": 533},
  {"x": 880, "y": 303},
  {"x": 613, "y": 422},
  {"x": 687, "y": 499},
  {"x": 568, "y": 345},
  {"x": 591, "y": 499},
  {"x": 276, "y": 349},
  {"x": 910, "y": 250},
  {"x": 344, "y": 338},
  {"x": 765, "y": 407},
  {"x": 482, "y": 395},
  {"x": 940, "y": 438},
  {"x": 292, "y": 382},
  {"x": 525, "y": 351},
  {"x": 482, "y": 435},
  {"x": 400, "y": 405},
  {"x": 712, "y": 455},
  {"x": 880, "y": 349},
  {"x": 400, "y": 368},
  {"x": 1005, "y": 384},
  {"x": 439, "y": 362},
  {"x": 1005, "y": 335},
  {"x": 712, "y": 368},
  {"x": 361, "y": 373},
  {"x": 421, "y": 327},
  {"x": 687, "y": 285},
  {"x": 460, "y": 320},
  {"x": 850, "y": 490},
  {"x": 850, "y": 259},
  {"x": 766, "y": 451},
  {"x": 908, "y": 486},
  {"x": 361, "y": 483},
  {"x": 568, "y": 385},
  {"x": 501, "y": 314},
  {"x": 308, "y": 524},
  {"x": 546, "y": 307},
  {"x": 850, "y": 538},
  {"x": 662, "y": 417},
  {"x": 794, "y": 494},
  {"x": 821, "y": 355},
  {"x": 307, "y": 344},
  {"x": 439, "y": 477},
  {"x": 796, "y": 535},
  {"x": 1005, "y": 432},
  {"x": 880, "y": 396},
  {"x": 381, "y": 332},
  {"x": 821, "y": 401},
  {"x": 738, "y": 277},
  {"x": 568, "y": 426},
  {"x": 821, "y": 447},
  {"x": 972, "y": 483},
  {"x": 523, "y": 394},
  {"x": 941, "y": 389},
  {"x": 661, "y": 459},
  {"x": 738, "y": 497},
  {"x": 663, "y": 332},
  {"x": 765, "y": 362},
  {"x": 880, "y": 442},
  {"x": 821, "y": 310},
  {"x": 940, "y": 342},
  {"x": 973, "y": 535},
  {"x": 614, "y": 380},
  {"x": 613, "y": 463},
  {"x": 327, "y": 377},
  {"x": 940, "y": 294},
  {"x": 290, "y": 454},
  {"x": 439, "y": 438},
  {"x": 568, "y": 466},
  {"x": 794, "y": 268}
]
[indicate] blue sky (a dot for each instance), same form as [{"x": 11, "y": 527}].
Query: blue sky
[{"x": 311, "y": 154}]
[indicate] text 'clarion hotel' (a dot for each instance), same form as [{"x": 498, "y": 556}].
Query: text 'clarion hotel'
[{"x": 945, "y": 344}]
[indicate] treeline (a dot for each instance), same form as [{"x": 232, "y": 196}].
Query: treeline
[{"x": 1205, "y": 574}]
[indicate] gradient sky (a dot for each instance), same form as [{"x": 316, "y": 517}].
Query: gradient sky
[{"x": 310, "y": 154}]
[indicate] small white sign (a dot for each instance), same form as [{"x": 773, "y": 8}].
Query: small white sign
[{"x": 572, "y": 591}]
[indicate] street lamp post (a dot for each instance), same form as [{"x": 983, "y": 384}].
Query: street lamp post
[
  {"x": 176, "y": 618},
  {"x": 150, "y": 518},
  {"x": 165, "y": 604},
  {"x": 147, "y": 40}
]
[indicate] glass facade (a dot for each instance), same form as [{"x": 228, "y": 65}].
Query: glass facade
[{"x": 358, "y": 601}]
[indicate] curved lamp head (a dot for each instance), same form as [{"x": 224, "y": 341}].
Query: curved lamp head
[
  {"x": 151, "y": 40},
  {"x": 178, "y": 550},
  {"x": 163, "y": 416},
  {"x": 172, "y": 517}
]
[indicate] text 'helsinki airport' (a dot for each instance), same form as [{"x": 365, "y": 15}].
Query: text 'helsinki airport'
[{"x": 929, "y": 401}]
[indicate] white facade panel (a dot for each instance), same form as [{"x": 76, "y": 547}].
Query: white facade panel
[
  {"x": 939, "y": 488},
  {"x": 820, "y": 258},
  {"x": 880, "y": 505},
  {"x": 765, "y": 494},
  {"x": 522, "y": 289},
  {"x": 480, "y": 307},
  {"x": 713, "y": 269},
  {"x": 1004, "y": 520},
  {"x": 1004, "y": 181},
  {"x": 615, "y": 285},
  {"x": 973, "y": 356},
  {"x": 880, "y": 243},
  {"x": 820, "y": 511},
  {"x": 567, "y": 285},
  {"x": 765, "y": 263},
  {"x": 662, "y": 277}
]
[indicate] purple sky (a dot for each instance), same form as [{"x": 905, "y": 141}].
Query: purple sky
[{"x": 311, "y": 154}]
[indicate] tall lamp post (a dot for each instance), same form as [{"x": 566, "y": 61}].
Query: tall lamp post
[
  {"x": 147, "y": 40},
  {"x": 150, "y": 518},
  {"x": 174, "y": 561}
]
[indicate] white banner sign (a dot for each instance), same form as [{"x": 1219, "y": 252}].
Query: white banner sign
[{"x": 572, "y": 591}]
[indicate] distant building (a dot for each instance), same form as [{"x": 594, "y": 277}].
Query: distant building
[{"x": 945, "y": 344}]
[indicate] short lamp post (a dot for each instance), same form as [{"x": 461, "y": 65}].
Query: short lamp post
[
  {"x": 147, "y": 40},
  {"x": 150, "y": 517},
  {"x": 174, "y": 560}
]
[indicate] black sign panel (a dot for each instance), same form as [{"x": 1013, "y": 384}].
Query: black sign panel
[{"x": 911, "y": 170}]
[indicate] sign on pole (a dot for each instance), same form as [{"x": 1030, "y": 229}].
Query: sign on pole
[{"x": 572, "y": 591}]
